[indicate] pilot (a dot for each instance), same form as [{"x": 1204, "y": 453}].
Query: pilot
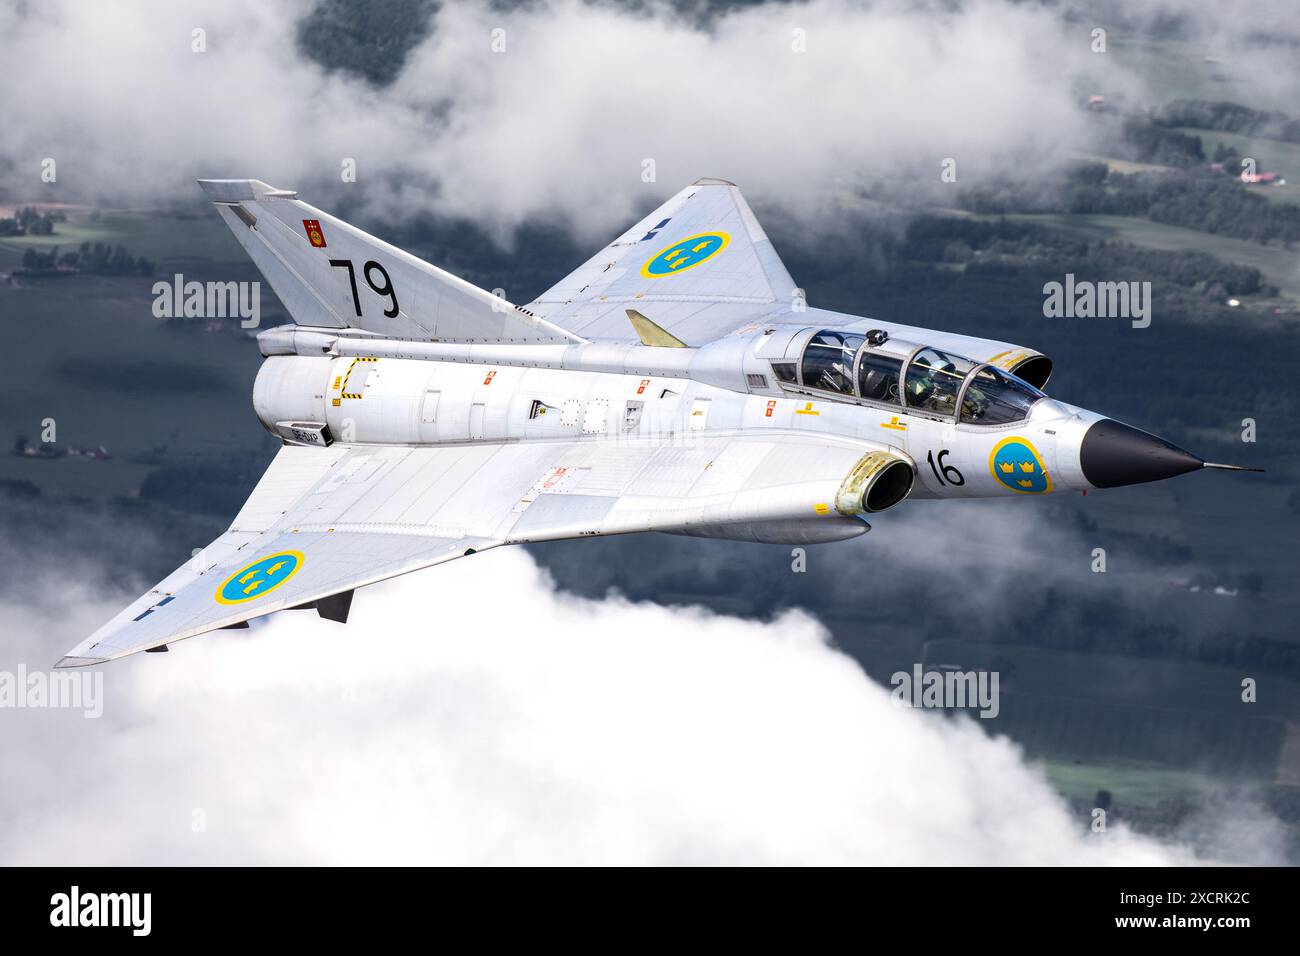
[
  {"x": 935, "y": 392},
  {"x": 975, "y": 402},
  {"x": 925, "y": 387},
  {"x": 921, "y": 388}
]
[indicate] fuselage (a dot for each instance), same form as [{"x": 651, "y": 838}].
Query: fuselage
[{"x": 320, "y": 386}]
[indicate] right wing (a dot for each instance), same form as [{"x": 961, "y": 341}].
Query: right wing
[
  {"x": 699, "y": 266},
  {"x": 323, "y": 521},
  {"x": 332, "y": 275}
]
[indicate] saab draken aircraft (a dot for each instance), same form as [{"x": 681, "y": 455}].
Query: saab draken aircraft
[{"x": 677, "y": 381}]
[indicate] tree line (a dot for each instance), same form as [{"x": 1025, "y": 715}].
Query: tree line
[
  {"x": 91, "y": 259},
  {"x": 29, "y": 221},
  {"x": 1226, "y": 117},
  {"x": 1200, "y": 199}
]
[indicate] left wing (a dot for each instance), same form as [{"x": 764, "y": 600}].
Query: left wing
[
  {"x": 323, "y": 521},
  {"x": 699, "y": 266},
  {"x": 291, "y": 519}
]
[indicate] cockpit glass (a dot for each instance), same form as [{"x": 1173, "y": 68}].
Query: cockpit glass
[
  {"x": 995, "y": 398},
  {"x": 828, "y": 361},
  {"x": 933, "y": 380},
  {"x": 878, "y": 376}
]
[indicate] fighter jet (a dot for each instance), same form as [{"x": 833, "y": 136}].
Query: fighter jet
[{"x": 677, "y": 381}]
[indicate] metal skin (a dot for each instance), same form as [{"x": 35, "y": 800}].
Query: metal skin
[
  {"x": 672, "y": 384},
  {"x": 675, "y": 382}
]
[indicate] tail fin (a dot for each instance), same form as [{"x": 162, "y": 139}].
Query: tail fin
[{"x": 330, "y": 274}]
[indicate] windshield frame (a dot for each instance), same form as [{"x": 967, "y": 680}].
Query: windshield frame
[
  {"x": 857, "y": 371},
  {"x": 812, "y": 342},
  {"x": 847, "y": 398},
  {"x": 906, "y": 360}
]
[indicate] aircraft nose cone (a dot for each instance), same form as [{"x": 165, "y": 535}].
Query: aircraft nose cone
[{"x": 1114, "y": 454}]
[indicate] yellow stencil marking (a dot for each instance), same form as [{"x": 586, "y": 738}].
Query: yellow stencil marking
[{"x": 346, "y": 393}]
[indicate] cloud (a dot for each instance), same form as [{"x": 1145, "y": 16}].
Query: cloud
[
  {"x": 557, "y": 124},
  {"x": 473, "y": 714},
  {"x": 967, "y": 562}
]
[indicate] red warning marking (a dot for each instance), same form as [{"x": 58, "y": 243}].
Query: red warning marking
[
  {"x": 644, "y": 383},
  {"x": 771, "y": 407},
  {"x": 490, "y": 375}
]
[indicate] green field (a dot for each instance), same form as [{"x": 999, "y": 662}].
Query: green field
[
  {"x": 157, "y": 235},
  {"x": 67, "y": 235},
  {"x": 1280, "y": 266},
  {"x": 1170, "y": 722},
  {"x": 1129, "y": 786},
  {"x": 96, "y": 360},
  {"x": 1173, "y": 714},
  {"x": 140, "y": 428}
]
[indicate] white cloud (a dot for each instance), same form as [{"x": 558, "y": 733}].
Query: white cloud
[
  {"x": 560, "y": 122},
  {"x": 472, "y": 714}
]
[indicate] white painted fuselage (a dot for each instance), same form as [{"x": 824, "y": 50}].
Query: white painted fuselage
[{"x": 382, "y": 392}]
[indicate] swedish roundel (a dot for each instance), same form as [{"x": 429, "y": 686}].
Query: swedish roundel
[
  {"x": 261, "y": 577},
  {"x": 1016, "y": 465},
  {"x": 685, "y": 254}
]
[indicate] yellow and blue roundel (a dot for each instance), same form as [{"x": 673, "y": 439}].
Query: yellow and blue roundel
[
  {"x": 261, "y": 577},
  {"x": 685, "y": 254},
  {"x": 1016, "y": 464}
]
